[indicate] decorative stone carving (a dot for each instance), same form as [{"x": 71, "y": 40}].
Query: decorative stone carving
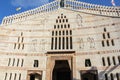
[
  {"x": 79, "y": 20},
  {"x": 81, "y": 43},
  {"x": 91, "y": 42}
]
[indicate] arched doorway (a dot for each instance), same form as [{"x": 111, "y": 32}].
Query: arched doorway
[
  {"x": 89, "y": 75},
  {"x": 35, "y": 77},
  {"x": 61, "y": 70}
]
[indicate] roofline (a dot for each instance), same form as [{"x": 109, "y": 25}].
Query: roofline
[{"x": 68, "y": 4}]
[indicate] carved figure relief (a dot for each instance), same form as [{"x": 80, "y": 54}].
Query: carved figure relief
[
  {"x": 79, "y": 20},
  {"x": 34, "y": 44},
  {"x": 43, "y": 42},
  {"x": 91, "y": 42},
  {"x": 81, "y": 43}
]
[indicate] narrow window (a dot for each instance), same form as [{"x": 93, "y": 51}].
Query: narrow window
[
  {"x": 9, "y": 61},
  {"x": 63, "y": 20},
  {"x": 66, "y": 20},
  {"x": 5, "y": 76},
  {"x": 36, "y": 63},
  {"x": 22, "y": 39},
  {"x": 21, "y": 33},
  {"x": 112, "y": 41},
  {"x": 103, "y": 35},
  {"x": 59, "y": 32},
  {"x": 105, "y": 30},
  {"x": 63, "y": 32},
  {"x": 15, "y": 76},
  {"x": 58, "y": 26},
  {"x": 59, "y": 42},
  {"x": 22, "y": 63},
  {"x": 119, "y": 59},
  {"x": 114, "y": 62},
  {"x": 70, "y": 32},
  {"x": 87, "y": 63},
  {"x": 108, "y": 43},
  {"x": 13, "y": 62},
  {"x": 67, "y": 32},
  {"x": 108, "y": 35},
  {"x": 67, "y": 45},
  {"x": 56, "y": 43},
  {"x": 52, "y": 43},
  {"x": 56, "y": 21},
  {"x": 68, "y": 25},
  {"x": 15, "y": 46},
  {"x": 65, "y": 26},
  {"x": 56, "y": 33},
  {"x": 63, "y": 42},
  {"x": 108, "y": 59},
  {"x": 103, "y": 61},
  {"x": 64, "y": 16},
  {"x": 10, "y": 76},
  {"x": 54, "y": 26},
  {"x": 70, "y": 42},
  {"x": 117, "y": 76},
  {"x": 18, "y": 62},
  {"x": 20, "y": 76},
  {"x": 61, "y": 26},
  {"x": 59, "y": 20},
  {"x": 19, "y": 46},
  {"x": 103, "y": 44},
  {"x": 22, "y": 46},
  {"x": 106, "y": 76},
  {"x": 111, "y": 75}
]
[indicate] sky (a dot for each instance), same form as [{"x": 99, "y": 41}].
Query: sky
[{"x": 8, "y": 7}]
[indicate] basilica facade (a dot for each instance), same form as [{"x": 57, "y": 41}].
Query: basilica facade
[{"x": 61, "y": 40}]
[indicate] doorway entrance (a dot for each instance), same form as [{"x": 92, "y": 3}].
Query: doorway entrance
[
  {"x": 89, "y": 75},
  {"x": 61, "y": 70},
  {"x": 35, "y": 77}
]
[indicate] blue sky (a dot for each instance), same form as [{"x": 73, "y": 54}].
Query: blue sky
[{"x": 8, "y": 7}]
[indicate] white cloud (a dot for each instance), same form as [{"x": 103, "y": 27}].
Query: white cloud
[{"x": 29, "y": 3}]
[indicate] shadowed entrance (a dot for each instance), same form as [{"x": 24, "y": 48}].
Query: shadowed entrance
[
  {"x": 61, "y": 70},
  {"x": 89, "y": 75},
  {"x": 35, "y": 77}
]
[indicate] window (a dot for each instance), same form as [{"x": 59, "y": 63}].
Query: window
[
  {"x": 52, "y": 43},
  {"x": 10, "y": 76},
  {"x": 5, "y": 76},
  {"x": 114, "y": 62},
  {"x": 103, "y": 44},
  {"x": 22, "y": 63},
  {"x": 108, "y": 59},
  {"x": 20, "y": 76},
  {"x": 106, "y": 76},
  {"x": 9, "y": 61},
  {"x": 108, "y": 43},
  {"x": 17, "y": 62},
  {"x": 36, "y": 63},
  {"x": 117, "y": 76},
  {"x": 15, "y": 76},
  {"x": 103, "y": 61},
  {"x": 13, "y": 62},
  {"x": 61, "y": 35},
  {"x": 119, "y": 59},
  {"x": 103, "y": 35},
  {"x": 111, "y": 75},
  {"x": 87, "y": 63},
  {"x": 112, "y": 41}
]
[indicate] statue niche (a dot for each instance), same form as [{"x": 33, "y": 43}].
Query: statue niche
[{"x": 62, "y": 3}]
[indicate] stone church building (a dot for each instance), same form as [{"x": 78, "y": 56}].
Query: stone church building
[{"x": 61, "y": 40}]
